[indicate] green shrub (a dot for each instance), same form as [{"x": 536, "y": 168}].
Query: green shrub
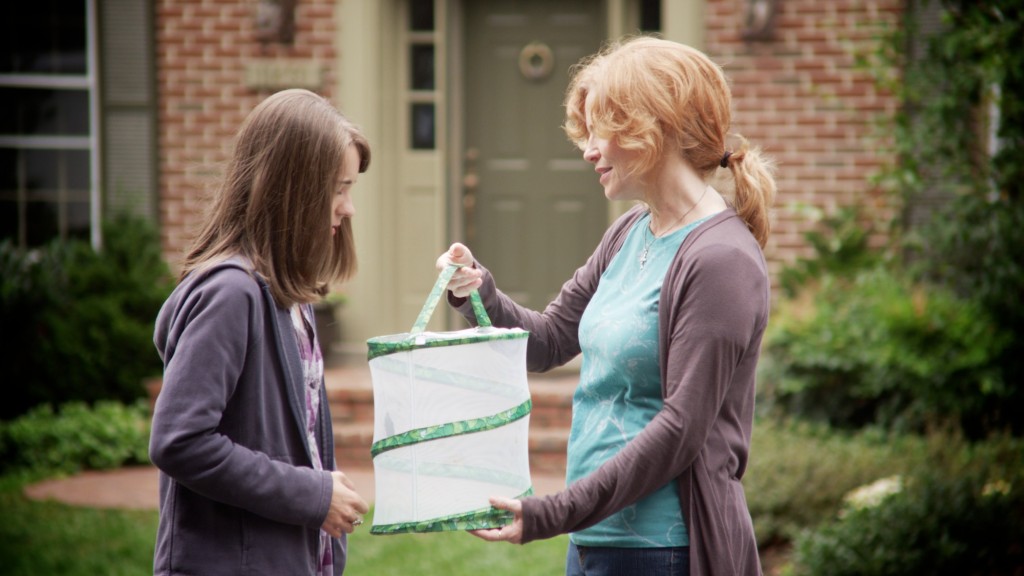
[
  {"x": 974, "y": 247},
  {"x": 78, "y": 324},
  {"x": 841, "y": 248},
  {"x": 941, "y": 522},
  {"x": 877, "y": 349},
  {"x": 799, "y": 473},
  {"x": 959, "y": 133},
  {"x": 77, "y": 437}
]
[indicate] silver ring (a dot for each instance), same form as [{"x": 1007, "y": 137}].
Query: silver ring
[{"x": 357, "y": 522}]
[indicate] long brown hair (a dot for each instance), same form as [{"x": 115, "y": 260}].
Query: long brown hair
[
  {"x": 274, "y": 203},
  {"x": 657, "y": 97}
]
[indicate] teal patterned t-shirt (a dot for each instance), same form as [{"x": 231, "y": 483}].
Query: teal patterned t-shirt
[{"x": 620, "y": 386}]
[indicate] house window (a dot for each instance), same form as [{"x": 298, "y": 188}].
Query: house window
[
  {"x": 48, "y": 111},
  {"x": 421, "y": 39}
]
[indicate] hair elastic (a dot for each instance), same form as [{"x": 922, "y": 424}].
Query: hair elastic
[{"x": 725, "y": 160}]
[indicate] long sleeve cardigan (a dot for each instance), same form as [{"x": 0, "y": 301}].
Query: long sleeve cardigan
[
  {"x": 712, "y": 314},
  {"x": 238, "y": 494}
]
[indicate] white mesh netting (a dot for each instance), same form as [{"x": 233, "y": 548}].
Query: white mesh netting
[{"x": 451, "y": 423}]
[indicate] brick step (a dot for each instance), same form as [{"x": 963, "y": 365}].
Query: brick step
[
  {"x": 352, "y": 445},
  {"x": 350, "y": 405},
  {"x": 547, "y": 447}
]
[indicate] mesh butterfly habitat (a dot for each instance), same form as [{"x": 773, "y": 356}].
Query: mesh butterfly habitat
[{"x": 451, "y": 423}]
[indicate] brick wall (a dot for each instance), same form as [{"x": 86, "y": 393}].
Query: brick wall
[
  {"x": 202, "y": 49},
  {"x": 801, "y": 97}
]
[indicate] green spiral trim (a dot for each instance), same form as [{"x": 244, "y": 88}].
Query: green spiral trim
[
  {"x": 384, "y": 345},
  {"x": 480, "y": 519},
  {"x": 450, "y": 429}
]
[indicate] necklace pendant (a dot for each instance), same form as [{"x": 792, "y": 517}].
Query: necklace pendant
[{"x": 643, "y": 258}]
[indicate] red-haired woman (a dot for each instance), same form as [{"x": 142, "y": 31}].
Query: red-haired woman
[{"x": 668, "y": 312}]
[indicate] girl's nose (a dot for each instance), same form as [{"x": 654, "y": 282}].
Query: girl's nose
[{"x": 347, "y": 209}]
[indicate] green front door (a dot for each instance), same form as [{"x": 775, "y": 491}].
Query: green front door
[{"x": 534, "y": 210}]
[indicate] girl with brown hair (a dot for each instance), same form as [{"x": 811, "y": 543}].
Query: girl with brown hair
[{"x": 241, "y": 430}]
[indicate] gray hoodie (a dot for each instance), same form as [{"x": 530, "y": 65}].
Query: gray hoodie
[{"x": 238, "y": 494}]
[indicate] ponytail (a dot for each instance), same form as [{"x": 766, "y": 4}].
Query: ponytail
[{"x": 754, "y": 174}]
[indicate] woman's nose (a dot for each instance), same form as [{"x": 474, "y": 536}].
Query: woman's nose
[{"x": 590, "y": 153}]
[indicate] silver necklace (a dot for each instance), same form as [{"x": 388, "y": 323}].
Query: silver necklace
[{"x": 648, "y": 244}]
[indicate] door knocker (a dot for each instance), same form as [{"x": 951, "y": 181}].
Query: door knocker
[{"x": 536, "y": 61}]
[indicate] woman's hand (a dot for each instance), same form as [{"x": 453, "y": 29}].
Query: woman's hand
[
  {"x": 512, "y": 533},
  {"x": 467, "y": 278}
]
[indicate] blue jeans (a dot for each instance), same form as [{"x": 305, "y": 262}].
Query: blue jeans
[{"x": 601, "y": 561}]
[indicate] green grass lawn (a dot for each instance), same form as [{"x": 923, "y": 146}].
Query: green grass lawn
[
  {"x": 797, "y": 478},
  {"x": 49, "y": 538},
  {"x": 451, "y": 554}
]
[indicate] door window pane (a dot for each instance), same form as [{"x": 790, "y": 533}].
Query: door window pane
[
  {"x": 650, "y": 15},
  {"x": 423, "y": 125},
  {"x": 421, "y": 62},
  {"x": 421, "y": 14},
  {"x": 421, "y": 45}
]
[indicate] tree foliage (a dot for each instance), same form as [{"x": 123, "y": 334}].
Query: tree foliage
[{"x": 931, "y": 330}]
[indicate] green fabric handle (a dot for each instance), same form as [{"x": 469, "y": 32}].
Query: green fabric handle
[{"x": 434, "y": 297}]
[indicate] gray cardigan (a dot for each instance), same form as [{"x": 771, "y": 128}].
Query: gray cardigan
[
  {"x": 712, "y": 314},
  {"x": 238, "y": 494}
]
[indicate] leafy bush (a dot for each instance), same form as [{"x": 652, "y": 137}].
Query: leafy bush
[
  {"x": 841, "y": 248},
  {"x": 78, "y": 324},
  {"x": 78, "y": 437},
  {"x": 965, "y": 82},
  {"x": 877, "y": 349},
  {"x": 941, "y": 522},
  {"x": 800, "y": 472},
  {"x": 974, "y": 246}
]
